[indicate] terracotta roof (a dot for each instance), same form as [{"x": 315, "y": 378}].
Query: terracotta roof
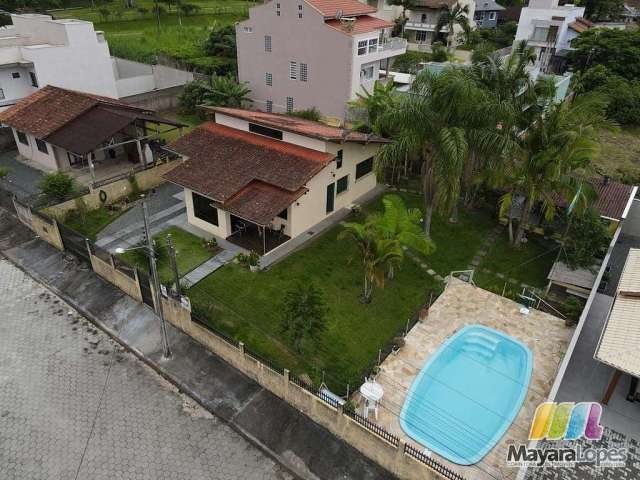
[
  {"x": 437, "y": 4},
  {"x": 612, "y": 198},
  {"x": 299, "y": 125},
  {"x": 349, "y": 8},
  {"x": 581, "y": 25},
  {"x": 363, "y": 24},
  {"x": 48, "y": 109},
  {"x": 245, "y": 172}
]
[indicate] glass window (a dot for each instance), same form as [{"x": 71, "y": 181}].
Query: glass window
[
  {"x": 365, "y": 167},
  {"x": 293, "y": 70},
  {"x": 362, "y": 47},
  {"x": 266, "y": 131},
  {"x": 1, "y": 93},
  {"x": 34, "y": 80},
  {"x": 284, "y": 214},
  {"x": 22, "y": 137},
  {"x": 540, "y": 34},
  {"x": 289, "y": 104},
  {"x": 269, "y": 106},
  {"x": 42, "y": 146},
  {"x": 15, "y": 75},
  {"x": 492, "y": 15},
  {"x": 304, "y": 72},
  {"x": 204, "y": 210},
  {"x": 366, "y": 73},
  {"x": 342, "y": 184},
  {"x": 268, "y": 78},
  {"x": 248, "y": 29},
  {"x": 267, "y": 43},
  {"x": 339, "y": 159},
  {"x": 373, "y": 45}
]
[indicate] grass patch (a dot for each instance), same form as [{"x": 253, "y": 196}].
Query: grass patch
[
  {"x": 93, "y": 222},
  {"x": 249, "y": 307},
  {"x": 620, "y": 153},
  {"x": 189, "y": 254}
]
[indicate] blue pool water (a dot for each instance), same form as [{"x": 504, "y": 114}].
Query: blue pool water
[{"x": 468, "y": 394}]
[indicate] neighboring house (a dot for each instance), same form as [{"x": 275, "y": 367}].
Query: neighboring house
[
  {"x": 423, "y": 19},
  {"x": 261, "y": 179},
  {"x": 550, "y": 28},
  {"x": 57, "y": 129},
  {"x": 37, "y": 51},
  {"x": 298, "y": 54},
  {"x": 631, "y": 11},
  {"x": 487, "y": 13}
]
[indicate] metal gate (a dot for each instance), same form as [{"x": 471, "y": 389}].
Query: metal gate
[
  {"x": 145, "y": 288},
  {"x": 74, "y": 242}
]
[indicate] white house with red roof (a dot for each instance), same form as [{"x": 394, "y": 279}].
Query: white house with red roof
[
  {"x": 298, "y": 54},
  {"x": 262, "y": 179}
]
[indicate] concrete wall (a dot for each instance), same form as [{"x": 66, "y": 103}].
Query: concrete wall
[
  {"x": 222, "y": 230},
  {"x": 158, "y": 100},
  {"x": 366, "y": 441},
  {"x": 45, "y": 161},
  {"x": 108, "y": 271},
  {"x": 14, "y": 88},
  {"x": 146, "y": 179},
  {"x": 47, "y": 231}
]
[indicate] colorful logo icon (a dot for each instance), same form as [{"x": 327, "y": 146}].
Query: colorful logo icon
[{"x": 567, "y": 421}]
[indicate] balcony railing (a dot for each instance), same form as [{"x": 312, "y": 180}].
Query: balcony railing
[
  {"x": 395, "y": 43},
  {"x": 431, "y": 27}
]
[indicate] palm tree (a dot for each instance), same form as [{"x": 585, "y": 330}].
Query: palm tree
[
  {"x": 378, "y": 101},
  {"x": 402, "y": 224},
  {"x": 406, "y": 5},
  {"x": 226, "y": 92},
  {"x": 553, "y": 158},
  {"x": 457, "y": 15},
  {"x": 377, "y": 254}
]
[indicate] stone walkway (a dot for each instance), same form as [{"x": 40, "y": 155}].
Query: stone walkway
[{"x": 207, "y": 268}]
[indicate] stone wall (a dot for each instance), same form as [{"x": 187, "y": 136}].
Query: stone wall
[{"x": 108, "y": 271}]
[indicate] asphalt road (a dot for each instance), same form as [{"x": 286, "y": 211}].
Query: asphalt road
[{"x": 73, "y": 405}]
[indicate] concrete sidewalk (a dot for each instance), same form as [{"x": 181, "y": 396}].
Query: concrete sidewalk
[{"x": 287, "y": 435}]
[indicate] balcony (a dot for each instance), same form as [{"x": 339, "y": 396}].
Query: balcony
[
  {"x": 426, "y": 27},
  {"x": 391, "y": 44}
]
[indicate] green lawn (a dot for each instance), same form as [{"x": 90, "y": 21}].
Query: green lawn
[
  {"x": 249, "y": 305},
  {"x": 620, "y": 154},
  {"x": 134, "y": 35},
  {"x": 94, "y": 221},
  {"x": 189, "y": 254}
]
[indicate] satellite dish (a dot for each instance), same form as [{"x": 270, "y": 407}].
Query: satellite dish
[{"x": 338, "y": 14}]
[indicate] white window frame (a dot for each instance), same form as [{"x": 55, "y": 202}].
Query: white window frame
[
  {"x": 248, "y": 29},
  {"x": 373, "y": 45},
  {"x": 362, "y": 47},
  {"x": 304, "y": 72},
  {"x": 363, "y": 72},
  {"x": 492, "y": 15},
  {"x": 293, "y": 70}
]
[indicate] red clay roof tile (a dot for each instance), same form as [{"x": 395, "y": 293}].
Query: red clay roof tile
[
  {"x": 349, "y": 8},
  {"x": 363, "y": 24}
]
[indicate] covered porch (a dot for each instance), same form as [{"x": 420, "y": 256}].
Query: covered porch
[{"x": 258, "y": 238}]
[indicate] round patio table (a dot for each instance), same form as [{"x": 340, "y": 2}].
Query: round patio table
[{"x": 372, "y": 393}]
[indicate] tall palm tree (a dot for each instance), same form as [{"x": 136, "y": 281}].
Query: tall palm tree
[
  {"x": 406, "y": 5},
  {"x": 378, "y": 101},
  {"x": 553, "y": 158},
  {"x": 456, "y": 15}
]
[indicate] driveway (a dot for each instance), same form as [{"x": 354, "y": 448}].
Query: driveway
[
  {"x": 73, "y": 405},
  {"x": 22, "y": 179}
]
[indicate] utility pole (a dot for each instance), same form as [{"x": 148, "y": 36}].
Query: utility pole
[
  {"x": 157, "y": 296},
  {"x": 174, "y": 265}
]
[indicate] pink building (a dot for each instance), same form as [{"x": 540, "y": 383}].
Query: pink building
[{"x": 298, "y": 54}]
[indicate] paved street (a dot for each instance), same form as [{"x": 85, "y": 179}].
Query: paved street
[{"x": 73, "y": 405}]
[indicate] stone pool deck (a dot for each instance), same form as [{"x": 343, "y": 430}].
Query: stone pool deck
[{"x": 463, "y": 304}]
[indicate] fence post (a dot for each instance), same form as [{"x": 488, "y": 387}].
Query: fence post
[
  {"x": 285, "y": 379},
  {"x": 88, "y": 245},
  {"x": 241, "y": 348},
  {"x": 112, "y": 262}
]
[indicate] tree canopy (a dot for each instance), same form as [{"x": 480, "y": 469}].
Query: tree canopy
[
  {"x": 617, "y": 50},
  {"x": 602, "y": 9}
]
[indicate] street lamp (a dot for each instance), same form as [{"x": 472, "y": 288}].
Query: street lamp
[{"x": 166, "y": 351}]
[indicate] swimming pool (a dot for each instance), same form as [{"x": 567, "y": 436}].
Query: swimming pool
[{"x": 468, "y": 394}]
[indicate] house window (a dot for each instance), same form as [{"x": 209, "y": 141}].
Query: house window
[
  {"x": 304, "y": 72},
  {"x": 248, "y": 29},
  {"x": 269, "y": 106},
  {"x": 42, "y": 146},
  {"x": 364, "y": 168},
  {"x": 339, "y": 159},
  {"x": 421, "y": 36},
  {"x": 492, "y": 15},
  {"x": 423, "y": 18},
  {"x": 267, "y": 43},
  {"x": 362, "y": 47},
  {"x": 204, "y": 210},
  {"x": 289, "y": 104},
  {"x": 373, "y": 45},
  {"x": 366, "y": 73},
  {"x": 278, "y": 9},
  {"x": 293, "y": 70},
  {"x": 266, "y": 131},
  {"x": 34, "y": 80},
  {"x": 284, "y": 214},
  {"x": 342, "y": 185},
  {"x": 268, "y": 78},
  {"x": 540, "y": 34},
  {"x": 278, "y": 13},
  {"x": 15, "y": 75},
  {"x": 1, "y": 93},
  {"x": 22, "y": 138}
]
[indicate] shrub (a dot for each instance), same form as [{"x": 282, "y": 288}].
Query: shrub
[
  {"x": 304, "y": 316},
  {"x": 221, "y": 42},
  {"x": 308, "y": 114},
  {"x": 439, "y": 53},
  {"x": 57, "y": 186},
  {"x": 407, "y": 62},
  {"x": 4, "y": 171},
  {"x": 573, "y": 307},
  {"x": 194, "y": 94}
]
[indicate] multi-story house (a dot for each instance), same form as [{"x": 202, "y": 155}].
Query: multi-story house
[
  {"x": 423, "y": 20},
  {"x": 487, "y": 13},
  {"x": 37, "y": 51},
  {"x": 550, "y": 28},
  {"x": 298, "y": 54}
]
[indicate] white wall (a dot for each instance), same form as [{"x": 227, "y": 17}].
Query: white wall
[
  {"x": 45, "y": 161},
  {"x": 531, "y": 14},
  {"x": 15, "y": 88}
]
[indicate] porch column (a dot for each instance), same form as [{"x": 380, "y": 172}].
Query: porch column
[
  {"x": 91, "y": 169},
  {"x": 264, "y": 240},
  {"x": 140, "y": 153},
  {"x": 612, "y": 386}
]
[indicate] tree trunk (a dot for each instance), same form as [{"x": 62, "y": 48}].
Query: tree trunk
[
  {"x": 390, "y": 272},
  {"x": 467, "y": 180},
  {"x": 524, "y": 219},
  {"x": 453, "y": 218},
  {"x": 428, "y": 192},
  {"x": 366, "y": 294},
  {"x": 510, "y": 230}
]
